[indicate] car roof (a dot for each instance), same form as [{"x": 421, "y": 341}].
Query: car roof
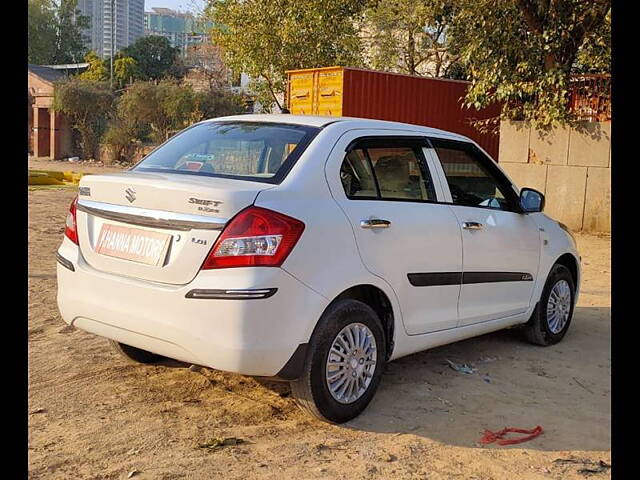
[{"x": 323, "y": 121}]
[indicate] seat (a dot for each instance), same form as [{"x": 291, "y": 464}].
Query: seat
[{"x": 392, "y": 172}]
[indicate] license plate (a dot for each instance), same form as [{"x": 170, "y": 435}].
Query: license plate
[{"x": 133, "y": 244}]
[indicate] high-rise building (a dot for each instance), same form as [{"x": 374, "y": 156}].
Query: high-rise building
[
  {"x": 127, "y": 26},
  {"x": 181, "y": 29}
]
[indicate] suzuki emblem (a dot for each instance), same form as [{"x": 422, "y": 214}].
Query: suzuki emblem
[{"x": 130, "y": 194}]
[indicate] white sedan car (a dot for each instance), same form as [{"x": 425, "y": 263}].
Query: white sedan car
[{"x": 312, "y": 250}]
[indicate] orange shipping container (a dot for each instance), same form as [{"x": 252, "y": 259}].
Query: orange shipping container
[{"x": 354, "y": 92}]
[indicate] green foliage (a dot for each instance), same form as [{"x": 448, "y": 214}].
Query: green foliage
[
  {"x": 41, "y": 41},
  {"x": 595, "y": 54},
  {"x": 150, "y": 111},
  {"x": 70, "y": 42},
  {"x": 97, "y": 69},
  {"x": 153, "y": 55},
  {"x": 409, "y": 37},
  {"x": 123, "y": 138},
  {"x": 521, "y": 53},
  {"x": 218, "y": 103},
  {"x": 86, "y": 104},
  {"x": 55, "y": 32},
  {"x": 155, "y": 110},
  {"x": 264, "y": 94},
  {"x": 125, "y": 69},
  {"x": 263, "y": 38}
]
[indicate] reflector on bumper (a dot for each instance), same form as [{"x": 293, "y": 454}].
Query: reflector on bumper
[{"x": 231, "y": 294}]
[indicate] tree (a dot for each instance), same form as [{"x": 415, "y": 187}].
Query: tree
[
  {"x": 97, "y": 69},
  {"x": 55, "y": 32},
  {"x": 154, "y": 57},
  {"x": 408, "y": 36},
  {"x": 207, "y": 60},
  {"x": 125, "y": 69},
  {"x": 87, "y": 104},
  {"x": 218, "y": 102},
  {"x": 123, "y": 136},
  {"x": 42, "y": 33},
  {"x": 595, "y": 54},
  {"x": 70, "y": 41},
  {"x": 263, "y": 38},
  {"x": 521, "y": 53},
  {"x": 158, "y": 109}
]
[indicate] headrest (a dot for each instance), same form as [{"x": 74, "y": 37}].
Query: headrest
[{"x": 392, "y": 173}]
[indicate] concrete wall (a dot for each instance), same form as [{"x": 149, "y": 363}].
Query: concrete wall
[{"x": 571, "y": 166}]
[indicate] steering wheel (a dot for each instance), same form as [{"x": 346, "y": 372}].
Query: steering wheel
[{"x": 460, "y": 196}]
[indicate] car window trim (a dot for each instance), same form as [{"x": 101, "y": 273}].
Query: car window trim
[{"x": 373, "y": 172}]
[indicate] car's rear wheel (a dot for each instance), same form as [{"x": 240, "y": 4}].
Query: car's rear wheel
[
  {"x": 344, "y": 363},
  {"x": 135, "y": 355},
  {"x": 551, "y": 319}
]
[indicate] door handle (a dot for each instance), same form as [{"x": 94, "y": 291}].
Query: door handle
[
  {"x": 472, "y": 225},
  {"x": 375, "y": 223}
]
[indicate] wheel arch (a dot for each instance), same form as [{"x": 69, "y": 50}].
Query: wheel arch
[
  {"x": 380, "y": 302},
  {"x": 568, "y": 260}
]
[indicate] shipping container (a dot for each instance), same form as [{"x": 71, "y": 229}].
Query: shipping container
[{"x": 354, "y": 92}]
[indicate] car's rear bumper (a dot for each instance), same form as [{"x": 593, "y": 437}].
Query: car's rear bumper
[{"x": 254, "y": 336}]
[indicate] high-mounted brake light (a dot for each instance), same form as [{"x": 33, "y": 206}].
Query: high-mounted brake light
[
  {"x": 255, "y": 237},
  {"x": 71, "y": 226}
]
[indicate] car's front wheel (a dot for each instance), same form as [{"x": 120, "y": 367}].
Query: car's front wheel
[
  {"x": 552, "y": 317},
  {"x": 344, "y": 363}
]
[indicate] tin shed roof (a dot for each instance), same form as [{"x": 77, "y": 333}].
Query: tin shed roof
[{"x": 47, "y": 74}]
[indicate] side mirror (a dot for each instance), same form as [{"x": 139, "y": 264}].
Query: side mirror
[{"x": 531, "y": 200}]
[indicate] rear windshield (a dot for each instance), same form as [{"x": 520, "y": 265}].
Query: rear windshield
[{"x": 262, "y": 152}]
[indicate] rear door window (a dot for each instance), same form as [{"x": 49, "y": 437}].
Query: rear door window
[
  {"x": 399, "y": 175},
  {"x": 387, "y": 170}
]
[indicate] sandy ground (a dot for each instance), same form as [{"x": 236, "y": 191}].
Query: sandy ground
[{"x": 93, "y": 416}]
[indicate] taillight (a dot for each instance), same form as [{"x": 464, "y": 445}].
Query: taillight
[
  {"x": 71, "y": 226},
  {"x": 255, "y": 237}
]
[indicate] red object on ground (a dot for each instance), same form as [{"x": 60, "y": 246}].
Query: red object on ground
[{"x": 498, "y": 437}]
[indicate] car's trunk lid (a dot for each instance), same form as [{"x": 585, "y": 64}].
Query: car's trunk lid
[{"x": 122, "y": 217}]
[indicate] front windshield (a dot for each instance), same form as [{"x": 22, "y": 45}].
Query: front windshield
[{"x": 245, "y": 150}]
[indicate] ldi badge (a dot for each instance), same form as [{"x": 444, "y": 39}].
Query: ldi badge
[{"x": 208, "y": 206}]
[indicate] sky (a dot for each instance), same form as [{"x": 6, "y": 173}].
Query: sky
[{"x": 182, "y": 5}]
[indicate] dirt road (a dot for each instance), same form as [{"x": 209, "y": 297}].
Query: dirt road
[{"x": 92, "y": 416}]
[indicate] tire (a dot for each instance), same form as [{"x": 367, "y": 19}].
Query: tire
[
  {"x": 135, "y": 355},
  {"x": 542, "y": 328},
  {"x": 311, "y": 391}
]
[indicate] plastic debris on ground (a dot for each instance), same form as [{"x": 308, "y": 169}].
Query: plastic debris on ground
[
  {"x": 499, "y": 436},
  {"x": 216, "y": 443},
  {"x": 462, "y": 367}
]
